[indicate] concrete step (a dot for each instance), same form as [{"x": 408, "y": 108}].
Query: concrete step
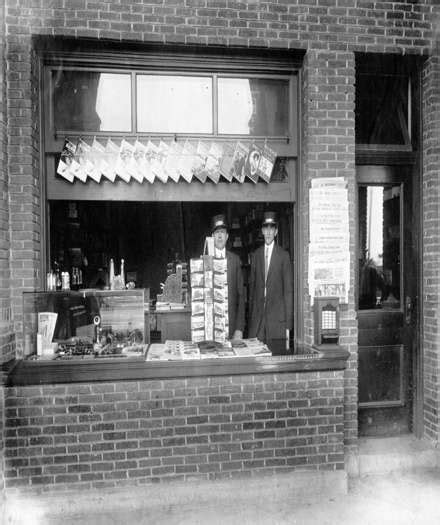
[{"x": 385, "y": 455}]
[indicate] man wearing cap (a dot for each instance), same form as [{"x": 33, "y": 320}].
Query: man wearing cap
[
  {"x": 271, "y": 290},
  {"x": 234, "y": 277}
]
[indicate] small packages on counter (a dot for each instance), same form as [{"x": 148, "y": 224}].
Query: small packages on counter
[{"x": 181, "y": 350}]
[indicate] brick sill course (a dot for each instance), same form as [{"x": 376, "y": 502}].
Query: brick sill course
[{"x": 23, "y": 373}]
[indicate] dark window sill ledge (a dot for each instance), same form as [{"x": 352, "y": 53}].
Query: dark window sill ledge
[{"x": 23, "y": 373}]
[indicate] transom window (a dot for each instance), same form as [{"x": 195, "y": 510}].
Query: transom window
[{"x": 87, "y": 101}]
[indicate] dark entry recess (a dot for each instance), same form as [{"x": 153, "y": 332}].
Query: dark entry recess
[{"x": 387, "y": 294}]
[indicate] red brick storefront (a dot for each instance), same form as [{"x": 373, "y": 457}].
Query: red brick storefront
[{"x": 71, "y": 433}]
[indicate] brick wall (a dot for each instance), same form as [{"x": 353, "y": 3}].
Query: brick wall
[
  {"x": 6, "y": 336},
  {"x": 336, "y": 26},
  {"x": 328, "y": 150},
  {"x": 431, "y": 245},
  {"x": 330, "y": 31},
  {"x": 105, "y": 434}
]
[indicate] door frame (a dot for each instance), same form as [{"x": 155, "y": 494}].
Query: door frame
[{"x": 365, "y": 166}]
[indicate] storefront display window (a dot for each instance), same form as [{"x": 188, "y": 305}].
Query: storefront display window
[
  {"x": 174, "y": 104},
  {"x": 91, "y": 101},
  {"x": 253, "y": 106}
]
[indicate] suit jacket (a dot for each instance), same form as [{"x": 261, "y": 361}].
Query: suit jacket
[
  {"x": 235, "y": 293},
  {"x": 279, "y": 293}
]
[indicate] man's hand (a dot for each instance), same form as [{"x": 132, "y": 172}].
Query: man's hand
[{"x": 238, "y": 334}]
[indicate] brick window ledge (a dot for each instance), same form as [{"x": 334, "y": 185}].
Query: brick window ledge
[{"x": 23, "y": 373}]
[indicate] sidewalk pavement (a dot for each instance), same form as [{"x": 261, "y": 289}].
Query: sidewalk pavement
[{"x": 401, "y": 498}]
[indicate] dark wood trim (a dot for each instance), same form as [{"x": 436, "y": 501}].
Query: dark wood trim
[
  {"x": 71, "y": 50},
  {"x": 383, "y": 156},
  {"x": 22, "y": 373}
]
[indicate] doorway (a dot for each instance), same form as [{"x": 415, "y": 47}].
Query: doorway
[{"x": 387, "y": 288}]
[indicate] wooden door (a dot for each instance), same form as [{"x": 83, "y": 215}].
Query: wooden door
[{"x": 387, "y": 293}]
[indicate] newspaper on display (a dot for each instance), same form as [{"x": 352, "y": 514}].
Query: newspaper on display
[
  {"x": 184, "y": 350},
  {"x": 329, "y": 254}
]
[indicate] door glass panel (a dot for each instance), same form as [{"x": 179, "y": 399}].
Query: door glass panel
[
  {"x": 91, "y": 101},
  {"x": 253, "y": 106},
  {"x": 380, "y": 247},
  {"x": 174, "y": 104}
]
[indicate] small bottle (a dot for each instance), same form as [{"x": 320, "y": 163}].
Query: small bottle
[
  {"x": 123, "y": 273},
  {"x": 65, "y": 281},
  {"x": 112, "y": 273},
  {"x": 58, "y": 283}
]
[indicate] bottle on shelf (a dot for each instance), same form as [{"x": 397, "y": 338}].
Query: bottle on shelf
[
  {"x": 112, "y": 273},
  {"x": 122, "y": 273},
  {"x": 57, "y": 272}
]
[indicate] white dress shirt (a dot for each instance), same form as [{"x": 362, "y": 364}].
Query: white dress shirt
[{"x": 220, "y": 254}]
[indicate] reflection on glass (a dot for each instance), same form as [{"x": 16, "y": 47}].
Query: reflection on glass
[
  {"x": 382, "y": 110},
  {"x": 379, "y": 241},
  {"x": 174, "y": 104},
  {"x": 89, "y": 101},
  {"x": 253, "y": 106}
]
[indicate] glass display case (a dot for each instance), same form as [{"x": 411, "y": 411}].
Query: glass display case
[{"x": 85, "y": 324}]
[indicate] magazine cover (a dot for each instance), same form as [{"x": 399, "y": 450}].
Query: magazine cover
[
  {"x": 267, "y": 162},
  {"x": 150, "y": 152},
  {"x": 252, "y": 163},
  {"x": 81, "y": 171},
  {"x": 188, "y": 159},
  {"x": 139, "y": 161},
  {"x": 66, "y": 160},
  {"x": 226, "y": 167},
  {"x": 238, "y": 161},
  {"x": 123, "y": 160},
  {"x": 99, "y": 157},
  {"x": 111, "y": 155},
  {"x": 199, "y": 168},
  {"x": 172, "y": 161},
  {"x": 87, "y": 160},
  {"x": 158, "y": 157},
  {"x": 213, "y": 161}
]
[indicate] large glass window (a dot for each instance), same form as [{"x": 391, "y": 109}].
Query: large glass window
[
  {"x": 205, "y": 104},
  {"x": 174, "y": 104},
  {"x": 91, "y": 101},
  {"x": 253, "y": 106}
]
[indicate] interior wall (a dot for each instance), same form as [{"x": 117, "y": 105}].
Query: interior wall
[{"x": 149, "y": 235}]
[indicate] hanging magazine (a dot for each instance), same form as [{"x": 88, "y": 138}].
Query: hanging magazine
[
  {"x": 172, "y": 161},
  {"x": 199, "y": 168},
  {"x": 98, "y": 154},
  {"x": 226, "y": 166},
  {"x": 252, "y": 162},
  {"x": 238, "y": 161},
  {"x": 189, "y": 154},
  {"x": 125, "y": 155},
  {"x": 266, "y": 164},
  {"x": 66, "y": 160},
  {"x": 111, "y": 153},
  {"x": 215, "y": 153}
]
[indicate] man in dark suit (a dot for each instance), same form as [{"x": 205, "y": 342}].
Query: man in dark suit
[
  {"x": 271, "y": 290},
  {"x": 234, "y": 277}
]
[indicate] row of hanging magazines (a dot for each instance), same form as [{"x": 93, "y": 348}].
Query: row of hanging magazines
[{"x": 165, "y": 161}]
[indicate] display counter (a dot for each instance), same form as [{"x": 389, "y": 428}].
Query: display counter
[{"x": 91, "y": 421}]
